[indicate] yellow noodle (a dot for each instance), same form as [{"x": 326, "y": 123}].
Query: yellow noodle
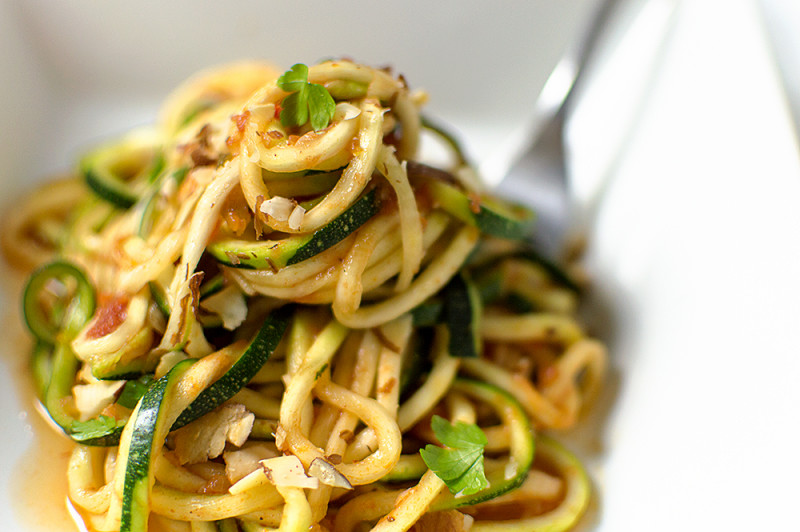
[
  {"x": 87, "y": 489},
  {"x": 431, "y": 280},
  {"x": 410, "y": 223}
]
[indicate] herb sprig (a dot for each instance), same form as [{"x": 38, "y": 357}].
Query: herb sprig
[
  {"x": 306, "y": 101},
  {"x": 95, "y": 427},
  {"x": 460, "y": 463}
]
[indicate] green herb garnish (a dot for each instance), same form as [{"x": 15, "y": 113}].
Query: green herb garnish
[
  {"x": 460, "y": 463},
  {"x": 94, "y": 428},
  {"x": 306, "y": 101}
]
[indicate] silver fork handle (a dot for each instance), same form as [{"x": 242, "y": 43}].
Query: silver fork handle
[
  {"x": 555, "y": 93},
  {"x": 569, "y": 72}
]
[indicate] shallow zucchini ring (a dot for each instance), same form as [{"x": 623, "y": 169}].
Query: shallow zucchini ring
[
  {"x": 576, "y": 498},
  {"x": 521, "y": 447},
  {"x": 54, "y": 320}
]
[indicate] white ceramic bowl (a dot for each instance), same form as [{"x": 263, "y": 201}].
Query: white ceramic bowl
[
  {"x": 77, "y": 72},
  {"x": 693, "y": 227}
]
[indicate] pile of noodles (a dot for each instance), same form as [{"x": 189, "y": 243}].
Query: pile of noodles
[{"x": 357, "y": 375}]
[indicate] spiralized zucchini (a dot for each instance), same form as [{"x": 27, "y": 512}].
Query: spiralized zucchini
[{"x": 280, "y": 311}]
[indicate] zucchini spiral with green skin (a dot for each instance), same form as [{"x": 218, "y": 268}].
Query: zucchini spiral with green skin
[{"x": 248, "y": 322}]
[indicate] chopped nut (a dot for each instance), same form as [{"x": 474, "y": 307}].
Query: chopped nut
[
  {"x": 242, "y": 462},
  {"x": 205, "y": 438},
  {"x": 288, "y": 471},
  {"x": 328, "y": 474}
]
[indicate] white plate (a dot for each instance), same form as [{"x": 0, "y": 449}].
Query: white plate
[
  {"x": 693, "y": 234},
  {"x": 694, "y": 242}
]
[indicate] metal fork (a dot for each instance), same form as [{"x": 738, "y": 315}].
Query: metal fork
[{"x": 539, "y": 177}]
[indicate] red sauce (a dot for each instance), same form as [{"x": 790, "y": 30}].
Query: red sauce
[
  {"x": 111, "y": 313},
  {"x": 39, "y": 494}
]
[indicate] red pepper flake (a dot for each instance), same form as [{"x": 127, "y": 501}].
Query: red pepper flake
[
  {"x": 474, "y": 203},
  {"x": 216, "y": 485},
  {"x": 388, "y": 386},
  {"x": 241, "y": 123},
  {"x": 270, "y": 137},
  {"x": 547, "y": 375},
  {"x": 278, "y": 110},
  {"x": 110, "y": 315},
  {"x": 241, "y": 120}
]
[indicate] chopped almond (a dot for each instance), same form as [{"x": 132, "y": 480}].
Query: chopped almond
[
  {"x": 91, "y": 399},
  {"x": 206, "y": 437},
  {"x": 229, "y": 304},
  {"x": 278, "y": 207},
  {"x": 288, "y": 471},
  {"x": 328, "y": 474},
  {"x": 242, "y": 462}
]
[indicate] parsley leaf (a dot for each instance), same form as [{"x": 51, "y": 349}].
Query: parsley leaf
[
  {"x": 460, "y": 463},
  {"x": 94, "y": 428},
  {"x": 305, "y": 101},
  {"x": 294, "y": 109},
  {"x": 294, "y": 79},
  {"x": 320, "y": 106}
]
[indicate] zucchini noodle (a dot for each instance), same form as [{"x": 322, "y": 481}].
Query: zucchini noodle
[{"x": 248, "y": 324}]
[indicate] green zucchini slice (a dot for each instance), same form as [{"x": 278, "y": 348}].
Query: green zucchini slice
[
  {"x": 56, "y": 367},
  {"x": 57, "y": 302},
  {"x": 113, "y": 170},
  {"x": 491, "y": 215},
  {"x": 149, "y": 428},
  {"x": 408, "y": 467},
  {"x": 242, "y": 371},
  {"x": 64, "y": 368},
  {"x": 41, "y": 366},
  {"x": 428, "y": 313},
  {"x": 462, "y": 315},
  {"x": 276, "y": 254}
]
